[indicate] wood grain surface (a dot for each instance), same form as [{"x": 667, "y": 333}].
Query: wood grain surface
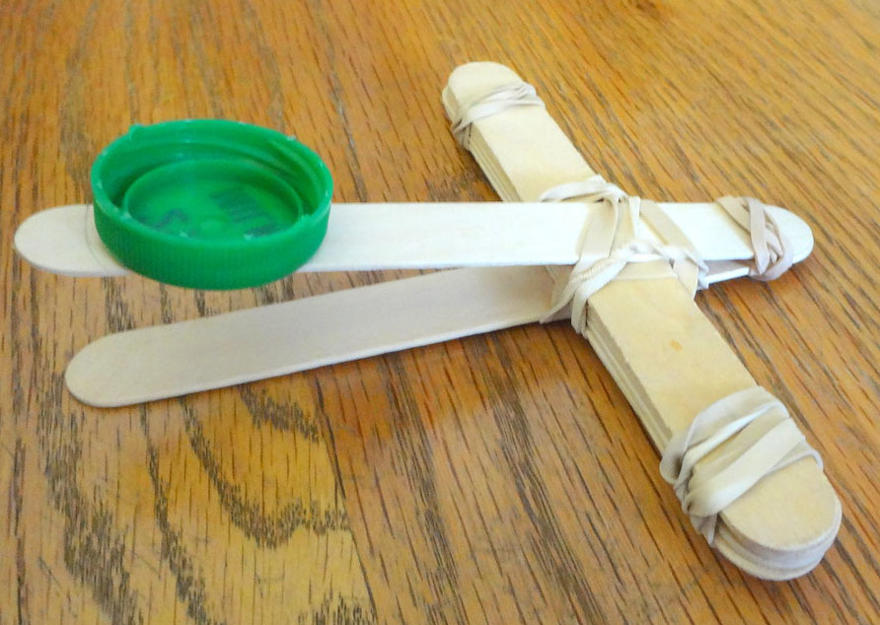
[{"x": 497, "y": 479}]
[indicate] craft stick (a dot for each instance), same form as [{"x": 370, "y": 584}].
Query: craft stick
[
  {"x": 361, "y": 237},
  {"x": 186, "y": 357},
  {"x": 666, "y": 356},
  {"x": 64, "y": 240}
]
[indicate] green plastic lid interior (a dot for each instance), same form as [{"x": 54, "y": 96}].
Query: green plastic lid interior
[{"x": 210, "y": 204}]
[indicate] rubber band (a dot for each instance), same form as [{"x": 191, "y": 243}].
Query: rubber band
[
  {"x": 615, "y": 240},
  {"x": 610, "y": 246},
  {"x": 499, "y": 99},
  {"x": 729, "y": 447},
  {"x": 773, "y": 252}
]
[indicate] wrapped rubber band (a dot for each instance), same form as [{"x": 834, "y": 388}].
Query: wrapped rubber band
[
  {"x": 614, "y": 242},
  {"x": 500, "y": 99},
  {"x": 773, "y": 253},
  {"x": 729, "y": 447},
  {"x": 608, "y": 248}
]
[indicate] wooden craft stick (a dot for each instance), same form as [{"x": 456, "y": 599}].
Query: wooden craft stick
[
  {"x": 666, "y": 356},
  {"x": 363, "y": 237},
  {"x": 254, "y": 344}
]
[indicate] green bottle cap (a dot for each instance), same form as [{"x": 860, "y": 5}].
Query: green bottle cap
[{"x": 210, "y": 204}]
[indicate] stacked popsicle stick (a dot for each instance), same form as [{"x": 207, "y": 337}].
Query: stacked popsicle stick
[{"x": 665, "y": 355}]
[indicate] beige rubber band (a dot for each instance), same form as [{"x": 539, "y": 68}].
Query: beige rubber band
[
  {"x": 617, "y": 241},
  {"x": 773, "y": 255},
  {"x": 758, "y": 438},
  {"x": 625, "y": 245},
  {"x": 497, "y": 100}
]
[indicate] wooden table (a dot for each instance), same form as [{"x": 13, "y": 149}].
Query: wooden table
[{"x": 498, "y": 479}]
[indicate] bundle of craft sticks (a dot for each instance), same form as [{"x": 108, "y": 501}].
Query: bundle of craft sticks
[{"x": 668, "y": 359}]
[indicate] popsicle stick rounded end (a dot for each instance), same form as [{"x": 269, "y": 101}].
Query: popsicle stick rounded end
[
  {"x": 63, "y": 240},
  {"x": 798, "y": 232},
  {"x": 785, "y": 525}
]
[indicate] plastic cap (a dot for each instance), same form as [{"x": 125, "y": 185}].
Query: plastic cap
[{"x": 210, "y": 204}]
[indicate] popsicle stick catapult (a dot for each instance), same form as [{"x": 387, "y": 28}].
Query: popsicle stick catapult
[{"x": 737, "y": 461}]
